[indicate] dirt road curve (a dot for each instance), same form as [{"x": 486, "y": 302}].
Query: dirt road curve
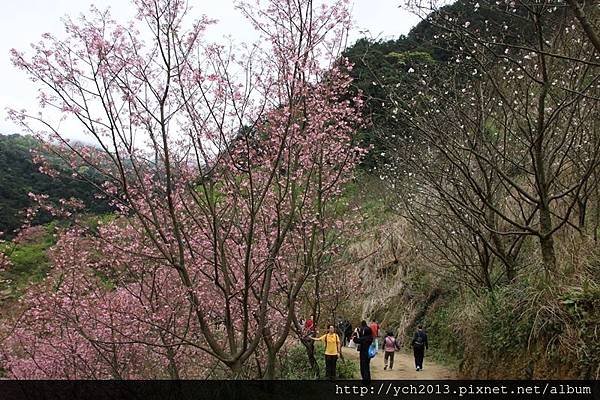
[{"x": 403, "y": 367}]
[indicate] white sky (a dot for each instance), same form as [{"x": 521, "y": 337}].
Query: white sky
[{"x": 24, "y": 21}]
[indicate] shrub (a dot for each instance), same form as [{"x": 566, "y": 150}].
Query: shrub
[{"x": 295, "y": 365}]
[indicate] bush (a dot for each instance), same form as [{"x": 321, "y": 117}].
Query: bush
[
  {"x": 295, "y": 365},
  {"x": 507, "y": 319},
  {"x": 445, "y": 344},
  {"x": 583, "y": 305},
  {"x": 535, "y": 328}
]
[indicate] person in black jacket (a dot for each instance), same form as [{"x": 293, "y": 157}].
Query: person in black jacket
[
  {"x": 419, "y": 344},
  {"x": 364, "y": 342},
  {"x": 344, "y": 330},
  {"x": 347, "y": 331}
]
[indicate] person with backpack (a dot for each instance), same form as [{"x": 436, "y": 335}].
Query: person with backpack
[
  {"x": 364, "y": 342},
  {"x": 419, "y": 344},
  {"x": 333, "y": 348},
  {"x": 390, "y": 346}
]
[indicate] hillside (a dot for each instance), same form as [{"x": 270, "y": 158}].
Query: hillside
[{"x": 19, "y": 175}]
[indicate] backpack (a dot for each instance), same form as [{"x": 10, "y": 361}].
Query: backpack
[
  {"x": 373, "y": 350},
  {"x": 418, "y": 343}
]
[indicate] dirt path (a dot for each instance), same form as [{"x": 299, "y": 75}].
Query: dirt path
[{"x": 403, "y": 367}]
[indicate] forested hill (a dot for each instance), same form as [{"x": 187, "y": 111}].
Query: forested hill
[
  {"x": 19, "y": 176},
  {"x": 382, "y": 66}
]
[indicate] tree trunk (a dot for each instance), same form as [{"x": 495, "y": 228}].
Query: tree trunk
[
  {"x": 506, "y": 258},
  {"x": 173, "y": 369},
  {"x": 236, "y": 369},
  {"x": 485, "y": 261},
  {"x": 310, "y": 352},
  {"x": 539, "y": 162},
  {"x": 597, "y": 219},
  {"x": 498, "y": 242},
  {"x": 270, "y": 368},
  {"x": 588, "y": 28},
  {"x": 259, "y": 371},
  {"x": 546, "y": 237},
  {"x": 548, "y": 256},
  {"x": 582, "y": 208}
]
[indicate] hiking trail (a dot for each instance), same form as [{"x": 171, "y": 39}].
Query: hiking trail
[{"x": 404, "y": 367}]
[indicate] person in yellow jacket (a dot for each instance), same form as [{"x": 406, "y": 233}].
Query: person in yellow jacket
[{"x": 333, "y": 348}]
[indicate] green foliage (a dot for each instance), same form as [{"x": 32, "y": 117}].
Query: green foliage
[
  {"x": 410, "y": 57},
  {"x": 29, "y": 261},
  {"x": 533, "y": 322},
  {"x": 346, "y": 369},
  {"x": 444, "y": 345},
  {"x": 295, "y": 365},
  {"x": 106, "y": 281},
  {"x": 19, "y": 176},
  {"x": 93, "y": 221},
  {"x": 366, "y": 194},
  {"x": 379, "y": 66},
  {"x": 507, "y": 323},
  {"x": 382, "y": 67},
  {"x": 582, "y": 302},
  {"x": 583, "y": 305}
]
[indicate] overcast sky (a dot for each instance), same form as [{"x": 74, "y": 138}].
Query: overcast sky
[{"x": 24, "y": 21}]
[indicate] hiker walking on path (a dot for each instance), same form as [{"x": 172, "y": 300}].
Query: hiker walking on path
[
  {"x": 353, "y": 334},
  {"x": 345, "y": 329},
  {"x": 347, "y": 332},
  {"x": 333, "y": 348},
  {"x": 390, "y": 346},
  {"x": 364, "y": 342},
  {"x": 419, "y": 344},
  {"x": 375, "y": 329}
]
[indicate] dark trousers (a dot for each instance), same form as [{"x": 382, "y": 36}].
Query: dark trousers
[
  {"x": 365, "y": 367},
  {"x": 390, "y": 355},
  {"x": 419, "y": 354},
  {"x": 330, "y": 366}
]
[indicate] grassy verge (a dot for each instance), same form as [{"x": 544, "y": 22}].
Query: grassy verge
[{"x": 28, "y": 260}]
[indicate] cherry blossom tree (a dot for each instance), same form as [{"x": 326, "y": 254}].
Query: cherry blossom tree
[{"x": 218, "y": 160}]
